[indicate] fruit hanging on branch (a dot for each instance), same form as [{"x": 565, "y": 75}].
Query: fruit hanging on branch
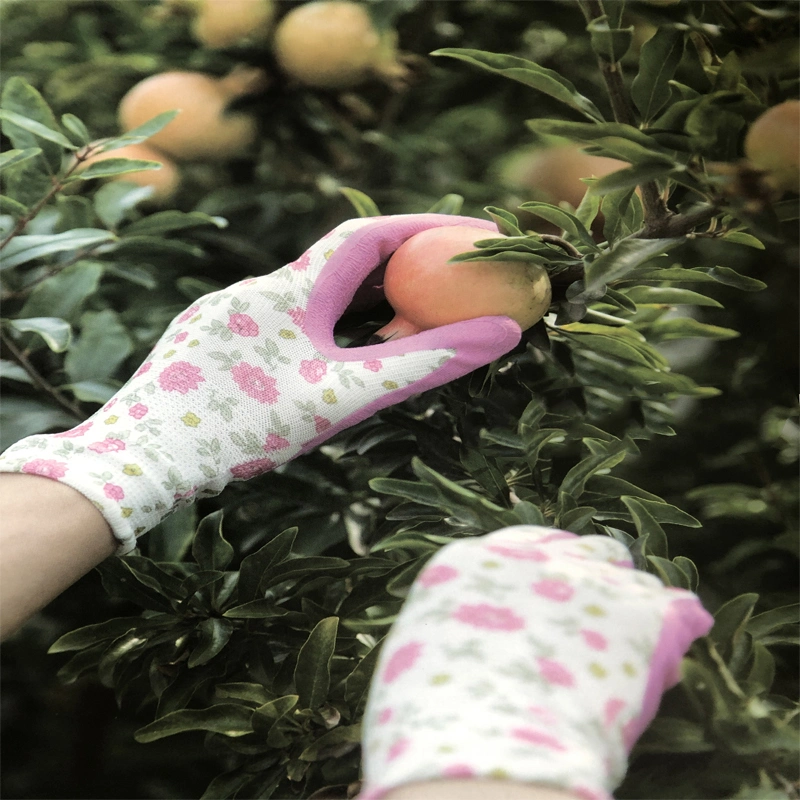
[
  {"x": 231, "y": 23},
  {"x": 772, "y": 144},
  {"x": 426, "y": 291},
  {"x": 333, "y": 44},
  {"x": 164, "y": 182},
  {"x": 204, "y": 130}
]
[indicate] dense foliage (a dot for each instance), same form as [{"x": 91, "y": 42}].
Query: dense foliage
[{"x": 656, "y": 404}]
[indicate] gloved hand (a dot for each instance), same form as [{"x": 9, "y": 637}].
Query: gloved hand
[
  {"x": 530, "y": 654},
  {"x": 249, "y": 377}
]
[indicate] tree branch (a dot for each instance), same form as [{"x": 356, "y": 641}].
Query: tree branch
[{"x": 38, "y": 379}]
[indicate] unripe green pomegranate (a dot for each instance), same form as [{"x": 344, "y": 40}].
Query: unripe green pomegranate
[
  {"x": 772, "y": 144},
  {"x": 426, "y": 291},
  {"x": 332, "y": 44},
  {"x": 225, "y": 23},
  {"x": 204, "y": 130}
]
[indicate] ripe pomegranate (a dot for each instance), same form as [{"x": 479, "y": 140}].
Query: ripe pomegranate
[
  {"x": 204, "y": 130},
  {"x": 772, "y": 144},
  {"x": 426, "y": 291},
  {"x": 332, "y": 44},
  {"x": 553, "y": 174},
  {"x": 164, "y": 181},
  {"x": 225, "y": 23}
]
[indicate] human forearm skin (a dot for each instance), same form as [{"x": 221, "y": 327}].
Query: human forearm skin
[{"x": 50, "y": 535}]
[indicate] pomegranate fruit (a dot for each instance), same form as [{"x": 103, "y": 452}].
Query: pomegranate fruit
[
  {"x": 164, "y": 181},
  {"x": 332, "y": 44},
  {"x": 553, "y": 174},
  {"x": 772, "y": 144},
  {"x": 204, "y": 130},
  {"x": 225, "y": 23},
  {"x": 426, "y": 291}
]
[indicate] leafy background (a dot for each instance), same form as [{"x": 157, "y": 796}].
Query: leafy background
[{"x": 658, "y": 405}]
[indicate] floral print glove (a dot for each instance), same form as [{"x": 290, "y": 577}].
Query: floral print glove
[
  {"x": 531, "y": 655},
  {"x": 249, "y": 377}
]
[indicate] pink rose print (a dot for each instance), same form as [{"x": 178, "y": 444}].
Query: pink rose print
[
  {"x": 439, "y": 573},
  {"x": 110, "y": 404},
  {"x": 255, "y": 383},
  {"x": 138, "y": 411},
  {"x": 613, "y": 707},
  {"x": 594, "y": 640},
  {"x": 243, "y": 324},
  {"x": 553, "y": 590},
  {"x": 275, "y": 442},
  {"x": 493, "y": 618},
  {"x": 373, "y": 366},
  {"x": 301, "y": 263},
  {"x": 624, "y": 562},
  {"x": 402, "y": 660},
  {"x": 520, "y": 553},
  {"x": 108, "y": 445},
  {"x": 184, "y": 495},
  {"x": 532, "y": 736},
  {"x": 180, "y": 337},
  {"x": 545, "y": 715},
  {"x": 630, "y": 732},
  {"x": 558, "y": 536},
  {"x": 45, "y": 467},
  {"x": 397, "y": 749},
  {"x": 141, "y": 371},
  {"x": 298, "y": 316},
  {"x": 189, "y": 313},
  {"x": 313, "y": 370},
  {"x": 78, "y": 431},
  {"x": 458, "y": 771},
  {"x": 556, "y": 673},
  {"x": 321, "y": 424},
  {"x": 181, "y": 377},
  {"x": 385, "y": 716},
  {"x": 113, "y": 492},
  {"x": 252, "y": 468}
]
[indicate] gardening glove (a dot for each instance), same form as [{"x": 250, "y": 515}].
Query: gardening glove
[
  {"x": 531, "y": 655},
  {"x": 249, "y": 377}
]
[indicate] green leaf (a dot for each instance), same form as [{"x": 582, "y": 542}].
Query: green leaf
[
  {"x": 732, "y": 278},
  {"x": 56, "y": 332},
  {"x": 665, "y": 513},
  {"x": 255, "y": 565},
  {"x": 665, "y": 330},
  {"x": 25, "y": 248},
  {"x": 646, "y": 525},
  {"x": 312, "y": 675},
  {"x": 669, "y": 573},
  {"x": 356, "y": 685},
  {"x": 32, "y": 126},
  {"x": 529, "y": 73},
  {"x": 21, "y": 417},
  {"x": 575, "y": 480},
  {"x": 659, "y": 58},
  {"x": 169, "y": 221},
  {"x": 63, "y": 294},
  {"x": 214, "y": 635},
  {"x": 529, "y": 514},
  {"x": 115, "y": 199},
  {"x": 264, "y": 608},
  {"x": 723, "y": 275},
  {"x": 76, "y": 129},
  {"x": 23, "y": 102},
  {"x": 12, "y": 157},
  {"x": 333, "y": 744},
  {"x": 362, "y": 203},
  {"x": 739, "y": 237},
  {"x": 610, "y": 43},
  {"x": 625, "y": 257},
  {"x": 668, "y": 295},
  {"x": 636, "y": 175},
  {"x": 766, "y": 624},
  {"x": 267, "y": 715},
  {"x": 210, "y": 548},
  {"x": 227, "y": 719},
  {"x": 590, "y": 133},
  {"x": 138, "y": 135},
  {"x": 674, "y": 735},
  {"x": 301, "y": 567},
  {"x": 730, "y": 621},
  {"x": 103, "y": 344},
  {"x": 90, "y": 635},
  {"x": 109, "y": 167},
  {"x": 506, "y": 222},
  {"x": 171, "y": 539},
  {"x": 12, "y": 207},
  {"x": 564, "y": 220},
  {"x": 449, "y": 204}
]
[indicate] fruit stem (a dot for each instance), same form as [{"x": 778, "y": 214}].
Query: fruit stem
[
  {"x": 243, "y": 80},
  {"x": 398, "y": 328}
]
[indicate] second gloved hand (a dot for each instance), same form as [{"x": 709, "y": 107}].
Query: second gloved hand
[{"x": 249, "y": 377}]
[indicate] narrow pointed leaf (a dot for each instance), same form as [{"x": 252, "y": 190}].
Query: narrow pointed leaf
[{"x": 227, "y": 719}]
